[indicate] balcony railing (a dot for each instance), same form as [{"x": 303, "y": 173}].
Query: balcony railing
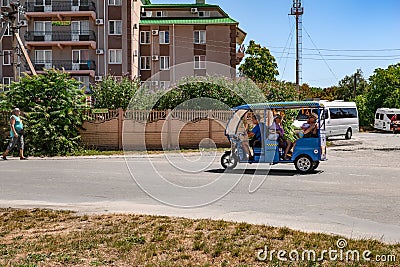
[
  {"x": 61, "y": 6},
  {"x": 68, "y": 65},
  {"x": 61, "y": 36}
]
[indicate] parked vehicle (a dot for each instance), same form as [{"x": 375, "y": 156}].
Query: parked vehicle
[
  {"x": 384, "y": 122},
  {"x": 307, "y": 153},
  {"x": 341, "y": 118}
]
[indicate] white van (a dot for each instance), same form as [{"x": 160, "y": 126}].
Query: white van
[
  {"x": 383, "y": 118},
  {"x": 341, "y": 118}
]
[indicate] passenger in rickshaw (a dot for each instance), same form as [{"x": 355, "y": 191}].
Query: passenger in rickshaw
[
  {"x": 254, "y": 136},
  {"x": 282, "y": 141},
  {"x": 310, "y": 129}
]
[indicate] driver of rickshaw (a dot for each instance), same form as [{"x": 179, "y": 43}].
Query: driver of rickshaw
[{"x": 254, "y": 135}]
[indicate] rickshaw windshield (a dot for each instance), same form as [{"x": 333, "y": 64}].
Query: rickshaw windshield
[{"x": 233, "y": 123}]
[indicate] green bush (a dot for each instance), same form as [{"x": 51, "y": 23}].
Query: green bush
[
  {"x": 112, "y": 93},
  {"x": 52, "y": 104}
]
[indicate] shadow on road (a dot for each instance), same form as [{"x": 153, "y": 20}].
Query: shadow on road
[{"x": 261, "y": 172}]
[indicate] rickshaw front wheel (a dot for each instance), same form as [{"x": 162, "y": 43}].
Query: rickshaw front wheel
[
  {"x": 304, "y": 164},
  {"x": 229, "y": 161}
]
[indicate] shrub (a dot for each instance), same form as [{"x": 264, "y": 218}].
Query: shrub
[{"x": 52, "y": 104}]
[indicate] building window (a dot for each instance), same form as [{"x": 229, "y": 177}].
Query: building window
[
  {"x": 204, "y": 14},
  {"x": 115, "y": 27},
  {"x": 145, "y": 37},
  {"x": 7, "y": 32},
  {"x": 160, "y": 14},
  {"x": 5, "y": 2},
  {"x": 199, "y": 37},
  {"x": 164, "y": 37},
  {"x": 114, "y": 2},
  {"x": 115, "y": 56},
  {"x": 43, "y": 28},
  {"x": 42, "y": 2},
  {"x": 6, "y": 83},
  {"x": 164, "y": 63},
  {"x": 7, "y": 57},
  {"x": 145, "y": 63},
  {"x": 43, "y": 57},
  {"x": 199, "y": 62}
]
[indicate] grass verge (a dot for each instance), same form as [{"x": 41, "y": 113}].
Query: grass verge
[{"x": 61, "y": 238}]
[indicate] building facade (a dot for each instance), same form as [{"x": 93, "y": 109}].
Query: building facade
[
  {"x": 94, "y": 38},
  {"x": 187, "y": 35}
]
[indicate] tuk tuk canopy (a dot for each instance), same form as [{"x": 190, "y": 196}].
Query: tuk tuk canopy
[{"x": 280, "y": 105}]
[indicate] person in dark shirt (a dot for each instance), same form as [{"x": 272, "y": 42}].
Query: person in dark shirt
[{"x": 254, "y": 136}]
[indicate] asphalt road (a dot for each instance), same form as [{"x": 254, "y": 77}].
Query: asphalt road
[{"x": 356, "y": 193}]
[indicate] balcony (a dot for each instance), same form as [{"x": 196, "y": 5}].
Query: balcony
[
  {"x": 61, "y": 9},
  {"x": 61, "y": 38},
  {"x": 84, "y": 67},
  {"x": 240, "y": 54}
]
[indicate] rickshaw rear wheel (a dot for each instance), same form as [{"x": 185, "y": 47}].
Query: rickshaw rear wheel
[
  {"x": 304, "y": 164},
  {"x": 229, "y": 161}
]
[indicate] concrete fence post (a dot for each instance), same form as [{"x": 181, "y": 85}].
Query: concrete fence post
[
  {"x": 169, "y": 128},
  {"x": 210, "y": 129},
  {"x": 120, "y": 127}
]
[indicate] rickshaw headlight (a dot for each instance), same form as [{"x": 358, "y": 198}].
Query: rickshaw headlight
[{"x": 316, "y": 151}]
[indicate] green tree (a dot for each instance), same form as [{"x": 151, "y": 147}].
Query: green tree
[
  {"x": 52, "y": 104},
  {"x": 259, "y": 65},
  {"x": 228, "y": 92},
  {"x": 307, "y": 92},
  {"x": 345, "y": 89},
  {"x": 112, "y": 93},
  {"x": 385, "y": 88}
]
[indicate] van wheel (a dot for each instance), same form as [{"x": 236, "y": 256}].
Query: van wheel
[
  {"x": 229, "y": 161},
  {"x": 349, "y": 134},
  {"x": 304, "y": 164}
]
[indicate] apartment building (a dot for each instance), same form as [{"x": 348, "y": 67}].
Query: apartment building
[
  {"x": 190, "y": 36},
  {"x": 87, "y": 38},
  {"x": 93, "y": 38}
]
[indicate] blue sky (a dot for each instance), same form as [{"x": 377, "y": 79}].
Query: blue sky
[{"x": 332, "y": 30}]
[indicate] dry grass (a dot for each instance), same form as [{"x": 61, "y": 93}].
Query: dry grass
[{"x": 61, "y": 238}]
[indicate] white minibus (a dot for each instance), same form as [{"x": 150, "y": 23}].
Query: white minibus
[
  {"x": 341, "y": 118},
  {"x": 383, "y": 118}
]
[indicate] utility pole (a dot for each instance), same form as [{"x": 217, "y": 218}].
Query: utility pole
[
  {"x": 15, "y": 30},
  {"x": 11, "y": 16},
  {"x": 297, "y": 10}
]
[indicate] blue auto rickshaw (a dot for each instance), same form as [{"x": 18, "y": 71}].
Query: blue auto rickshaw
[{"x": 307, "y": 152}]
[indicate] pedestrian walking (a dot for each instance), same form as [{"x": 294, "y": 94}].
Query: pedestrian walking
[{"x": 17, "y": 135}]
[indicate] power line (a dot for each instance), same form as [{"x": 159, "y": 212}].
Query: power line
[
  {"x": 344, "y": 50},
  {"x": 290, "y": 44},
  {"x": 338, "y": 55},
  {"x": 326, "y": 63},
  {"x": 348, "y": 59}
]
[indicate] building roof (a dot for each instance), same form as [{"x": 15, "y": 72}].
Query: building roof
[
  {"x": 178, "y": 5},
  {"x": 146, "y": 2},
  {"x": 189, "y": 21},
  {"x": 184, "y": 6}
]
